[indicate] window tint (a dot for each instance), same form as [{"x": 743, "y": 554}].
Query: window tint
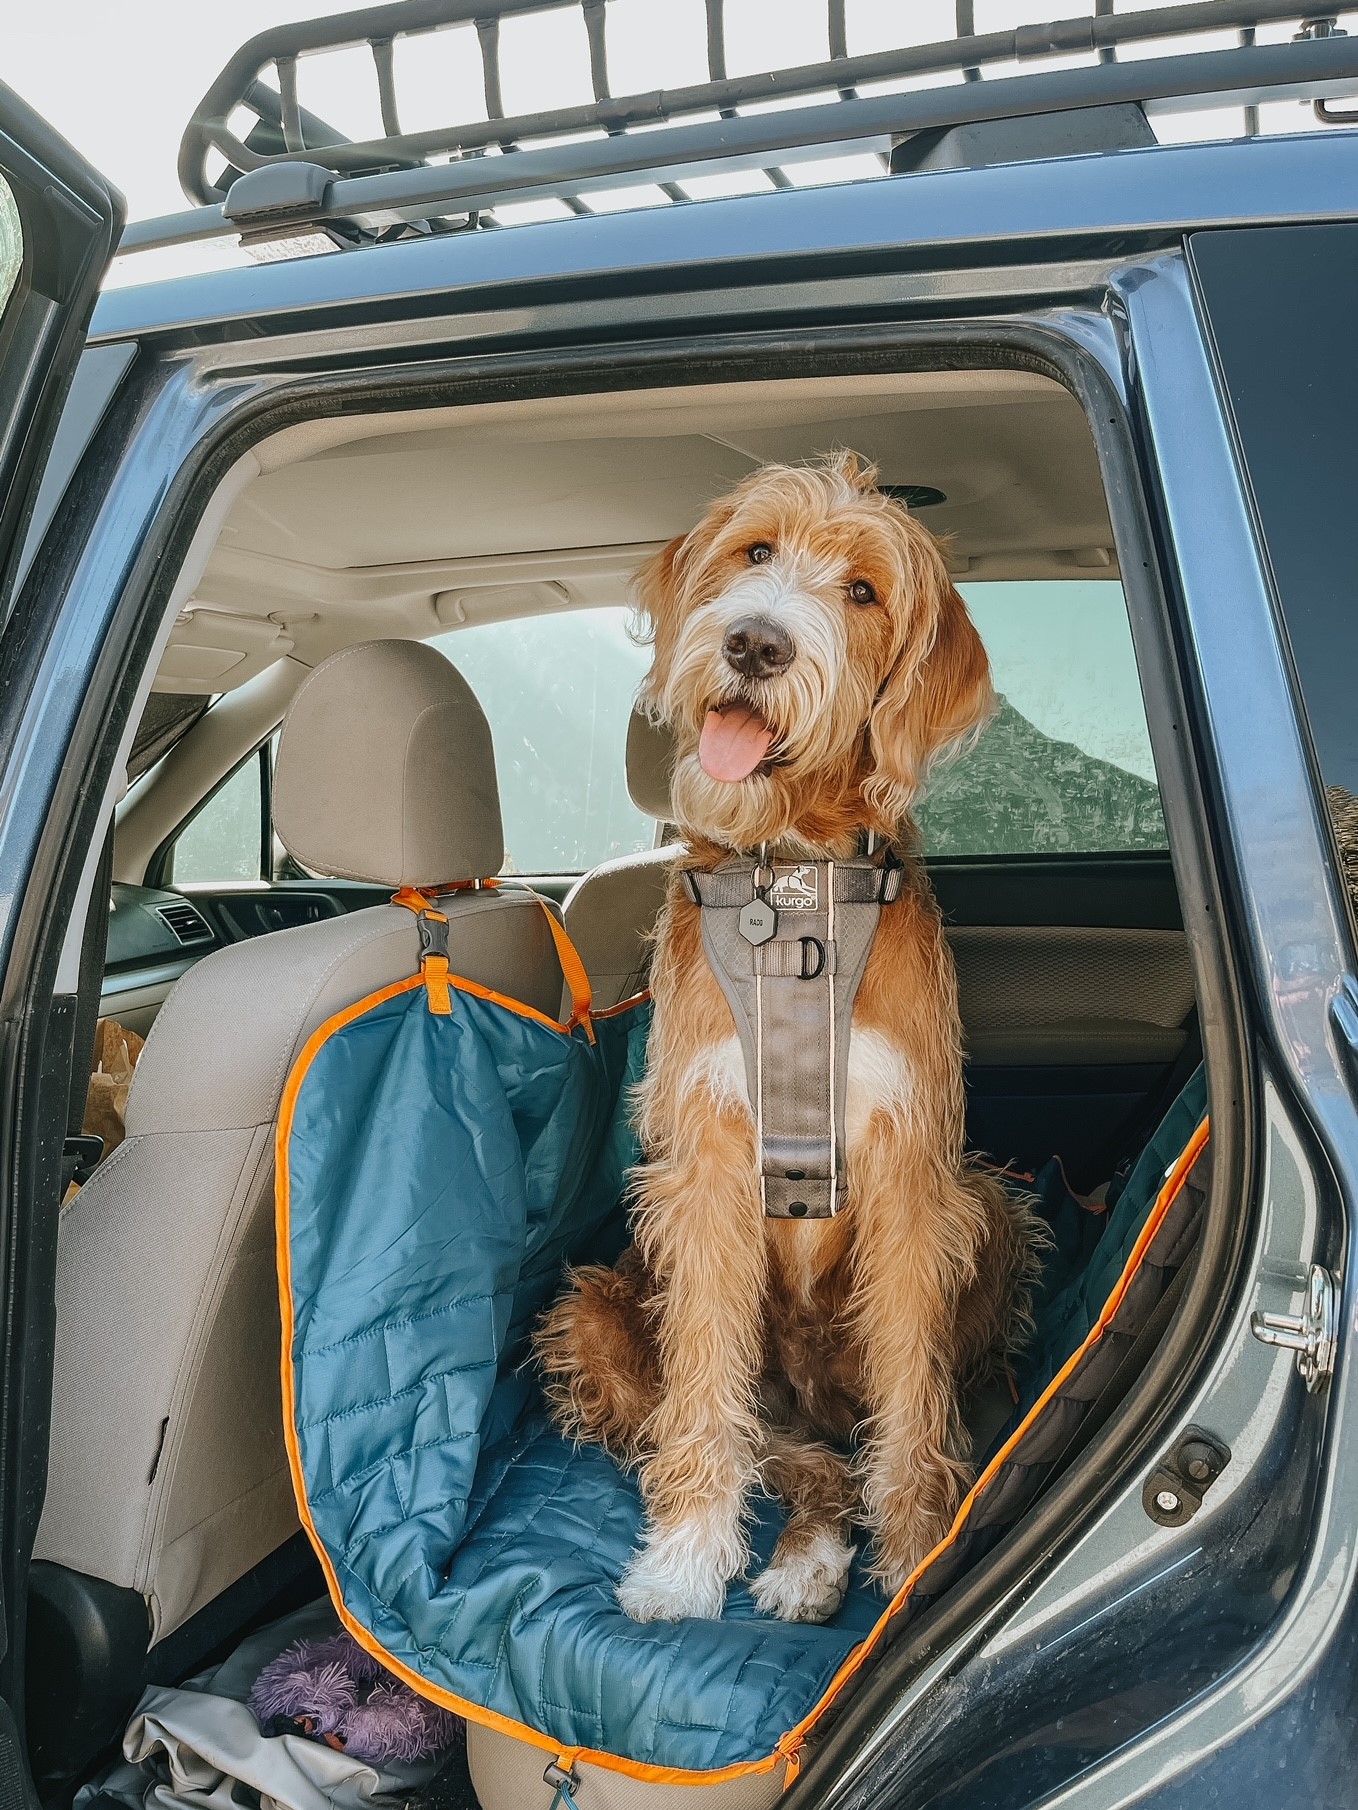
[
  {"x": 1281, "y": 303},
  {"x": 1065, "y": 766},
  {"x": 223, "y": 841},
  {"x": 558, "y": 692},
  {"x": 11, "y": 243}
]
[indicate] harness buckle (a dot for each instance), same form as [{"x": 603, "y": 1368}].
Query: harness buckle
[{"x": 893, "y": 873}]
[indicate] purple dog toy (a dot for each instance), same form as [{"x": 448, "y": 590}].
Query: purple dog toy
[{"x": 333, "y": 1691}]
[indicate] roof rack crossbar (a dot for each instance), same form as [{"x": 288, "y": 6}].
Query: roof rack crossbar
[
  {"x": 1098, "y": 33},
  {"x": 1241, "y": 77}
]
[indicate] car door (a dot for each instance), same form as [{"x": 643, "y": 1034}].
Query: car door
[{"x": 59, "y": 222}]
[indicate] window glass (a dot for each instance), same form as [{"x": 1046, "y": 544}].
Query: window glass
[
  {"x": 223, "y": 841},
  {"x": 1065, "y": 766},
  {"x": 11, "y": 243},
  {"x": 1281, "y": 301},
  {"x": 558, "y": 692}
]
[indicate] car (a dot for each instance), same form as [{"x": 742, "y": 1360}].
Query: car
[{"x": 1122, "y": 377}]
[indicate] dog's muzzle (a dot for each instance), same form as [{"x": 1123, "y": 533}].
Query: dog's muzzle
[{"x": 757, "y": 648}]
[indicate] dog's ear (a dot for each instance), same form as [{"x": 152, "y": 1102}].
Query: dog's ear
[
  {"x": 937, "y": 694},
  {"x": 656, "y": 590}
]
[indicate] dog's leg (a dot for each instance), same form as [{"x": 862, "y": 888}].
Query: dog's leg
[
  {"x": 597, "y": 1353},
  {"x": 919, "y": 1227},
  {"x": 700, "y": 1230},
  {"x": 806, "y": 1578}
]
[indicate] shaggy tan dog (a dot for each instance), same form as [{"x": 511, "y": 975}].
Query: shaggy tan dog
[{"x": 811, "y": 658}]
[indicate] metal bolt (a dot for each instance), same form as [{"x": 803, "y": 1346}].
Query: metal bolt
[
  {"x": 1167, "y": 1502},
  {"x": 1199, "y": 1463}
]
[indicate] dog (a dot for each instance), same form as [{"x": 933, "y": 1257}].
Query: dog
[{"x": 812, "y": 659}]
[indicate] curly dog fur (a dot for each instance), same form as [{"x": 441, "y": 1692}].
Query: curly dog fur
[{"x": 728, "y": 1352}]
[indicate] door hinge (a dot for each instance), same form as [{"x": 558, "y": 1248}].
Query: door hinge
[{"x": 1312, "y": 1334}]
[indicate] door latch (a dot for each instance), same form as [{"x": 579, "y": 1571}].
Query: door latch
[{"x": 1312, "y": 1334}]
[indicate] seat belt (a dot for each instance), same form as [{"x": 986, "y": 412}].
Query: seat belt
[{"x": 80, "y": 1153}]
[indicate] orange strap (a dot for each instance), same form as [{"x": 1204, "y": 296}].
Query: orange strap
[
  {"x": 572, "y": 968},
  {"x": 433, "y": 947},
  {"x": 434, "y": 961}
]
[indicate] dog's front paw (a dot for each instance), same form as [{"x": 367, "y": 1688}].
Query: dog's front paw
[
  {"x": 807, "y": 1583},
  {"x": 677, "y": 1574}
]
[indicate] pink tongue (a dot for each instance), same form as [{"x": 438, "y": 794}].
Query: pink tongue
[{"x": 733, "y": 742}]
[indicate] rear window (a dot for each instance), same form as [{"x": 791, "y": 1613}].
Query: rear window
[
  {"x": 1065, "y": 767},
  {"x": 558, "y": 693}
]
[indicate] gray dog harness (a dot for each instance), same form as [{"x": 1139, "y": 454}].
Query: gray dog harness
[{"x": 788, "y": 942}]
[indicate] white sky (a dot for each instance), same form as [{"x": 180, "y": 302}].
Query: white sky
[{"x": 120, "y": 77}]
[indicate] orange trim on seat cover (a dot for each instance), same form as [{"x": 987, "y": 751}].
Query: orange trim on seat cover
[
  {"x": 437, "y": 976},
  {"x": 789, "y": 1746}
]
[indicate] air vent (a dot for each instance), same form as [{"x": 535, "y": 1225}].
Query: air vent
[{"x": 184, "y": 923}]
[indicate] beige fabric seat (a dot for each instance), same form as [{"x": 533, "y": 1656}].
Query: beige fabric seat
[
  {"x": 611, "y": 911},
  {"x": 167, "y": 1471}
]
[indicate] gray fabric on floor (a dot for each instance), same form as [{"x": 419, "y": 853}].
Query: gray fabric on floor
[{"x": 194, "y": 1747}]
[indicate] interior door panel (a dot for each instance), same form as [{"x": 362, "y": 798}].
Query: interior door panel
[{"x": 1076, "y": 992}]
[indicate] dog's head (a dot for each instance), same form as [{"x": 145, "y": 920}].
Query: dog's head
[{"x": 812, "y": 658}]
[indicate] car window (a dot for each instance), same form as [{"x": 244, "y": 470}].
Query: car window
[
  {"x": 11, "y": 243},
  {"x": 1065, "y": 765},
  {"x": 223, "y": 841},
  {"x": 558, "y": 692},
  {"x": 1281, "y": 305}
]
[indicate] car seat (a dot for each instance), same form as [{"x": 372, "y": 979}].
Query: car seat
[
  {"x": 611, "y": 911},
  {"x": 168, "y": 1479}
]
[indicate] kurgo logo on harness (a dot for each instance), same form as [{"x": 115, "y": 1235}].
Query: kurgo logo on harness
[
  {"x": 788, "y": 943},
  {"x": 795, "y": 888}
]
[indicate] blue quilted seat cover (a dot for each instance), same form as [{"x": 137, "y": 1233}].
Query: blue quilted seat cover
[{"x": 436, "y": 1172}]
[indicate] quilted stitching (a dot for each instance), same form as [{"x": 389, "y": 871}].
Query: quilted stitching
[{"x": 440, "y": 1169}]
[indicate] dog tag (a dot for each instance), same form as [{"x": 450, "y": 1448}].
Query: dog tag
[{"x": 758, "y": 922}]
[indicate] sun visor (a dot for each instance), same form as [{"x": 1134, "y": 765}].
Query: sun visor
[{"x": 213, "y": 650}]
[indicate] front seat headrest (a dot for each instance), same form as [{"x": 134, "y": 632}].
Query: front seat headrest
[
  {"x": 650, "y": 762},
  {"x": 386, "y": 771}
]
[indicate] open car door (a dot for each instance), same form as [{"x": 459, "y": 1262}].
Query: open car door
[{"x": 59, "y": 224}]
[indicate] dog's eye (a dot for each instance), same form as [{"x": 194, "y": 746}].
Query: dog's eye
[
  {"x": 759, "y": 553},
  {"x": 862, "y": 592}
]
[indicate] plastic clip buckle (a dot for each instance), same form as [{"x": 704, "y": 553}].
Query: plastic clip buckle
[
  {"x": 433, "y": 929},
  {"x": 433, "y": 935}
]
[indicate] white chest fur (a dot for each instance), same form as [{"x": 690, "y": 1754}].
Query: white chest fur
[{"x": 878, "y": 1079}]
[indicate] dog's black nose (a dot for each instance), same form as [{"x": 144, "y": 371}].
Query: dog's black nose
[{"x": 758, "y": 648}]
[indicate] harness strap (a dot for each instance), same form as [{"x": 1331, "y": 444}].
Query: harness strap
[
  {"x": 433, "y": 929},
  {"x": 787, "y": 942},
  {"x": 854, "y": 883}
]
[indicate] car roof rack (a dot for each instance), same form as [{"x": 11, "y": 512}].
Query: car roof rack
[{"x": 290, "y": 173}]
